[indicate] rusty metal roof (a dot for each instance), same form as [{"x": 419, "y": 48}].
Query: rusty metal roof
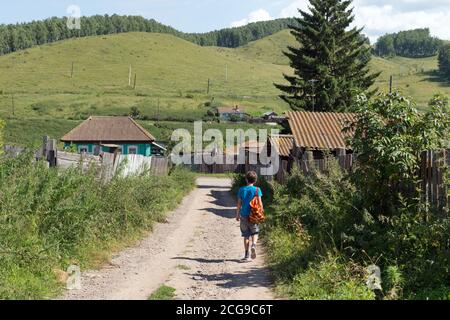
[
  {"x": 97, "y": 129},
  {"x": 283, "y": 144},
  {"x": 319, "y": 130}
]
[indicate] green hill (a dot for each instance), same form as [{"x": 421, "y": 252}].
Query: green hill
[
  {"x": 414, "y": 77},
  {"x": 167, "y": 68},
  {"x": 171, "y": 79},
  {"x": 269, "y": 49}
]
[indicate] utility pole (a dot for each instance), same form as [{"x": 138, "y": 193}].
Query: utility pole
[
  {"x": 13, "y": 104},
  {"x": 209, "y": 84},
  {"x": 391, "y": 82},
  {"x": 129, "y": 77}
]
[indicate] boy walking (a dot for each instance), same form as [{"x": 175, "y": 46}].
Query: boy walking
[{"x": 248, "y": 230}]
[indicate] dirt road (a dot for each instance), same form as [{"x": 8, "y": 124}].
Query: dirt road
[{"x": 198, "y": 252}]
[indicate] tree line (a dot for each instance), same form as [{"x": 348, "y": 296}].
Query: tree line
[
  {"x": 15, "y": 37},
  {"x": 444, "y": 61},
  {"x": 417, "y": 43}
]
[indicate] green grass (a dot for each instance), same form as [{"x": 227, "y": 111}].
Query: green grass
[
  {"x": 163, "y": 293},
  {"x": 168, "y": 69},
  {"x": 269, "y": 49},
  {"x": 52, "y": 219}
]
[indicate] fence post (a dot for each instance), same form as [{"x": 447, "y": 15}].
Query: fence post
[
  {"x": 44, "y": 146},
  {"x": 341, "y": 155},
  {"x": 52, "y": 153},
  {"x": 307, "y": 161}
]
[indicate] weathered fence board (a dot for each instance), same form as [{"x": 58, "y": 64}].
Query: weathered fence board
[
  {"x": 159, "y": 166},
  {"x": 433, "y": 174}
]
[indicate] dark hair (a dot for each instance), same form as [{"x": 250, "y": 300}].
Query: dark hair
[{"x": 251, "y": 177}]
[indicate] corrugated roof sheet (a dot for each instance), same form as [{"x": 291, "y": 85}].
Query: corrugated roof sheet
[
  {"x": 319, "y": 130},
  {"x": 108, "y": 129},
  {"x": 283, "y": 144}
]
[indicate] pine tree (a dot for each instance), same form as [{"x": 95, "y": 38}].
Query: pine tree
[{"x": 331, "y": 64}]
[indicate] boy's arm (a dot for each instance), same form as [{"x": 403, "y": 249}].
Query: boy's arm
[{"x": 238, "y": 210}]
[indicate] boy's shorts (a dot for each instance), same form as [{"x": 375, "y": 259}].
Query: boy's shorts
[{"x": 248, "y": 229}]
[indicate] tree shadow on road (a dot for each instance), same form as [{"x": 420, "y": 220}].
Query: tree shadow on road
[
  {"x": 223, "y": 200},
  {"x": 202, "y": 260},
  {"x": 203, "y": 186},
  {"x": 253, "y": 277}
]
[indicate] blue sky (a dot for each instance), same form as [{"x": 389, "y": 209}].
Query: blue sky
[{"x": 377, "y": 16}]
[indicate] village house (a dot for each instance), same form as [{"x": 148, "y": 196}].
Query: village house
[
  {"x": 111, "y": 134},
  {"x": 236, "y": 114},
  {"x": 319, "y": 133}
]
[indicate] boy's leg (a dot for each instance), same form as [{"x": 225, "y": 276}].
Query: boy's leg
[
  {"x": 255, "y": 230},
  {"x": 247, "y": 244},
  {"x": 254, "y": 239}
]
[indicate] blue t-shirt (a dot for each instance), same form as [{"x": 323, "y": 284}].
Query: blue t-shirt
[{"x": 246, "y": 194}]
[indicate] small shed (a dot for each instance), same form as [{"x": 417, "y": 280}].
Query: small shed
[
  {"x": 319, "y": 133},
  {"x": 283, "y": 145},
  {"x": 110, "y": 134}
]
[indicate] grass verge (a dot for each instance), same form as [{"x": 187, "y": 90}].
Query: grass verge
[
  {"x": 52, "y": 219},
  {"x": 163, "y": 293}
]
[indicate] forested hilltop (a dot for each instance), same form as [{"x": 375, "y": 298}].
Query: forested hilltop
[
  {"x": 15, "y": 37},
  {"x": 417, "y": 43}
]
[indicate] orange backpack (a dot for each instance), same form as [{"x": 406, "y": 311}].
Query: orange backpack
[{"x": 256, "y": 211}]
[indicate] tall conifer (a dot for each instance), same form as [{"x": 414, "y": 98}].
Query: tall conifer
[{"x": 331, "y": 62}]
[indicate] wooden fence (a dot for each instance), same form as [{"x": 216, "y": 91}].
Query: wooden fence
[
  {"x": 108, "y": 164},
  {"x": 307, "y": 163},
  {"x": 434, "y": 178},
  {"x": 217, "y": 168},
  {"x": 112, "y": 164},
  {"x": 434, "y": 170}
]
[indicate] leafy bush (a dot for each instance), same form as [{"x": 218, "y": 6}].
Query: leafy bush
[
  {"x": 135, "y": 113},
  {"x": 39, "y": 108},
  {"x": 389, "y": 137},
  {"x": 50, "y": 219},
  {"x": 400, "y": 229}
]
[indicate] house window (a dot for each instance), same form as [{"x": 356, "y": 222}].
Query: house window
[
  {"x": 83, "y": 149},
  {"x": 97, "y": 150},
  {"x": 132, "y": 150}
]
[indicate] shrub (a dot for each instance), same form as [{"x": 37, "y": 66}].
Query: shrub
[
  {"x": 330, "y": 279},
  {"x": 389, "y": 137},
  {"x": 39, "y": 108},
  {"x": 135, "y": 113}
]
